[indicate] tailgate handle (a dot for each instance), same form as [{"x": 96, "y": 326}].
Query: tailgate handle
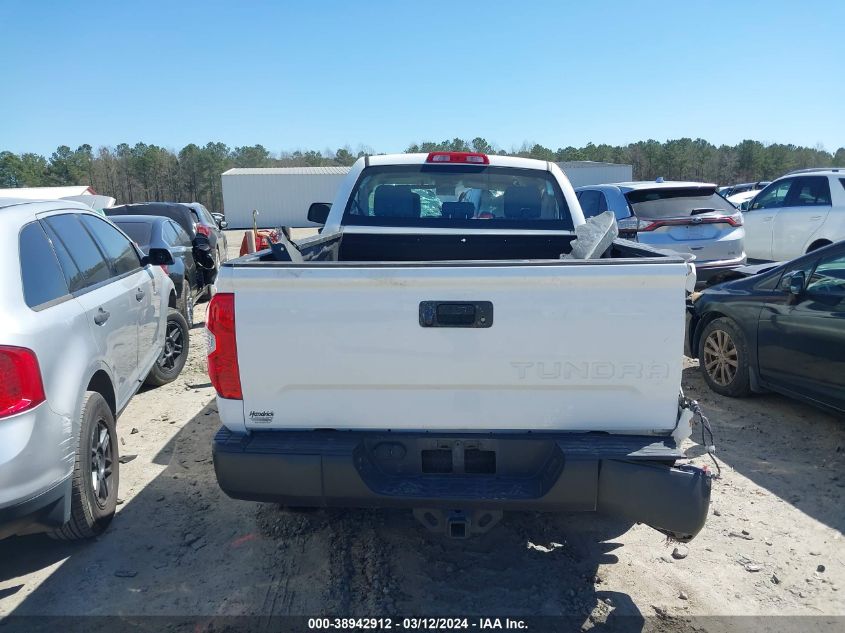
[{"x": 478, "y": 314}]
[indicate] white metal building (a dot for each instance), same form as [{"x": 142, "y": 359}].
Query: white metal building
[
  {"x": 588, "y": 172},
  {"x": 281, "y": 195}
]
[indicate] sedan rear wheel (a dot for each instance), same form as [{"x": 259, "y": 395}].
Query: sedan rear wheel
[{"x": 723, "y": 357}]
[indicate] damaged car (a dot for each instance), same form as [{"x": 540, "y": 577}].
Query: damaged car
[{"x": 776, "y": 327}]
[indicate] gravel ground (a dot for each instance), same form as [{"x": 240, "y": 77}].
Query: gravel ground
[{"x": 772, "y": 545}]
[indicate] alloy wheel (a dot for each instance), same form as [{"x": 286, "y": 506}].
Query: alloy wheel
[
  {"x": 102, "y": 462},
  {"x": 721, "y": 359},
  {"x": 173, "y": 345}
]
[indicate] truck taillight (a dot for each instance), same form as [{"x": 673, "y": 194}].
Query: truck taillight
[
  {"x": 472, "y": 158},
  {"x": 203, "y": 230},
  {"x": 20, "y": 380},
  {"x": 222, "y": 347}
]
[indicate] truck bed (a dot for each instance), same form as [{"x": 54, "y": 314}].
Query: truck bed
[{"x": 387, "y": 246}]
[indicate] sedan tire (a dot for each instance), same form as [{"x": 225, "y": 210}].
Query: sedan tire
[{"x": 723, "y": 358}]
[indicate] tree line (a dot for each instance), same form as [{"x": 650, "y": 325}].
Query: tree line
[{"x": 142, "y": 172}]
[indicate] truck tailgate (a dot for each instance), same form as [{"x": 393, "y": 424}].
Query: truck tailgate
[{"x": 572, "y": 346}]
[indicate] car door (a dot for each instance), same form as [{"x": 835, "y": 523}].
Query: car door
[
  {"x": 139, "y": 285},
  {"x": 821, "y": 312},
  {"x": 107, "y": 300},
  {"x": 804, "y": 210},
  {"x": 759, "y": 219},
  {"x": 800, "y": 339}
]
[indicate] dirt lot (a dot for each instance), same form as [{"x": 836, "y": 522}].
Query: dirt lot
[{"x": 772, "y": 546}]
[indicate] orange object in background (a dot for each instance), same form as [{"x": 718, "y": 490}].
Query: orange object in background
[{"x": 263, "y": 240}]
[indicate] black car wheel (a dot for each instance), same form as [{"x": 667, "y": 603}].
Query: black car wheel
[
  {"x": 96, "y": 473},
  {"x": 175, "y": 352},
  {"x": 723, "y": 357}
]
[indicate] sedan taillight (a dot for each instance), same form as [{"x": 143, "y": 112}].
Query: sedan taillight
[
  {"x": 20, "y": 380},
  {"x": 204, "y": 230}
]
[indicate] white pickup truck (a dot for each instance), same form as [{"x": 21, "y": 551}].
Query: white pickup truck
[{"x": 436, "y": 347}]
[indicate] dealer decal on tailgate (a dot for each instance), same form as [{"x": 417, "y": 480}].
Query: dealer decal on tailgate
[{"x": 261, "y": 416}]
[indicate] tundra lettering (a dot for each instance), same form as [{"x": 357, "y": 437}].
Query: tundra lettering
[{"x": 590, "y": 370}]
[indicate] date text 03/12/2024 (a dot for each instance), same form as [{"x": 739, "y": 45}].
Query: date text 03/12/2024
[{"x": 416, "y": 623}]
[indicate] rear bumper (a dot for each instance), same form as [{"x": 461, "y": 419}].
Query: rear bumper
[
  {"x": 48, "y": 510},
  {"x": 628, "y": 476}
]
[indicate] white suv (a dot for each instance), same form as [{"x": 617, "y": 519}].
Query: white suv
[
  {"x": 796, "y": 214},
  {"x": 82, "y": 325}
]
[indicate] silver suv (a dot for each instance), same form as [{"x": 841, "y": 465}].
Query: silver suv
[
  {"x": 686, "y": 217},
  {"x": 83, "y": 318}
]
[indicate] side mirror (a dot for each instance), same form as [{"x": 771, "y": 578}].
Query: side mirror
[
  {"x": 221, "y": 220},
  {"x": 796, "y": 283},
  {"x": 318, "y": 212},
  {"x": 159, "y": 257}
]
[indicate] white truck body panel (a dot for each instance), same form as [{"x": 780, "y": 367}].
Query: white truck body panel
[{"x": 572, "y": 347}]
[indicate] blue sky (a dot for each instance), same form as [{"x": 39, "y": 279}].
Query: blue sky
[{"x": 323, "y": 74}]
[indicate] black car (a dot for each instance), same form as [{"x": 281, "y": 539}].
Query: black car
[
  {"x": 211, "y": 225},
  {"x": 781, "y": 329},
  {"x": 190, "y": 262},
  {"x": 183, "y": 216}
]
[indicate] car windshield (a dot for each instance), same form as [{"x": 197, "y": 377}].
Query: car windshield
[
  {"x": 457, "y": 196},
  {"x": 677, "y": 202},
  {"x": 138, "y": 232}
]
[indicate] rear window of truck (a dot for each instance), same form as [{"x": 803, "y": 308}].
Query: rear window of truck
[
  {"x": 457, "y": 196},
  {"x": 677, "y": 202}
]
